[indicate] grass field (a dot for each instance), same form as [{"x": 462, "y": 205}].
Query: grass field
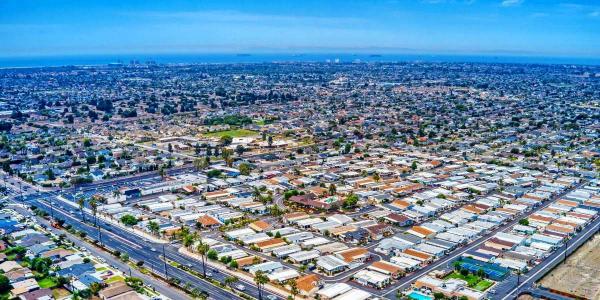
[
  {"x": 114, "y": 279},
  {"x": 47, "y": 282},
  {"x": 473, "y": 281},
  {"x": 483, "y": 285},
  {"x": 60, "y": 293},
  {"x": 232, "y": 133}
]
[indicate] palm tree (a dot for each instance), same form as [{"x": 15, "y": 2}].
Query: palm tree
[
  {"x": 188, "y": 240},
  {"x": 260, "y": 279},
  {"x": 332, "y": 189},
  {"x": 293, "y": 288},
  {"x": 153, "y": 227},
  {"x": 94, "y": 207},
  {"x": 376, "y": 177},
  {"x": 162, "y": 172},
  {"x": 81, "y": 203},
  {"x": 116, "y": 193},
  {"x": 256, "y": 194},
  {"x": 203, "y": 249},
  {"x": 230, "y": 280}
]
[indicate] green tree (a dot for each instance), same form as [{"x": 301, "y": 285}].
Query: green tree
[
  {"x": 94, "y": 207},
  {"x": 204, "y": 251},
  {"x": 226, "y": 140},
  {"x": 350, "y": 201},
  {"x": 5, "y": 286},
  {"x": 260, "y": 279},
  {"x": 244, "y": 168},
  {"x": 233, "y": 264},
  {"x": 81, "y": 203},
  {"x": 153, "y": 227},
  {"x": 129, "y": 220},
  {"x": 201, "y": 163},
  {"x": 332, "y": 189},
  {"x": 376, "y": 177}
]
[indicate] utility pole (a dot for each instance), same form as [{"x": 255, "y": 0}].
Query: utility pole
[
  {"x": 566, "y": 250},
  {"x": 165, "y": 262}
]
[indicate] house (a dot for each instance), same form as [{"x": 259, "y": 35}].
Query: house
[
  {"x": 24, "y": 286},
  {"x": 308, "y": 284},
  {"x": 19, "y": 275},
  {"x": 372, "y": 279},
  {"x": 119, "y": 291},
  {"x": 10, "y": 265},
  {"x": 259, "y": 226},
  {"x": 387, "y": 268},
  {"x": 398, "y": 220},
  {"x": 41, "y": 294},
  {"x": 331, "y": 264},
  {"x": 270, "y": 244},
  {"x": 379, "y": 231},
  {"x": 207, "y": 221},
  {"x": 354, "y": 255},
  {"x": 76, "y": 270}
]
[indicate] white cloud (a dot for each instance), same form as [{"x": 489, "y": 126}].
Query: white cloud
[
  {"x": 228, "y": 16},
  {"x": 507, "y": 3}
]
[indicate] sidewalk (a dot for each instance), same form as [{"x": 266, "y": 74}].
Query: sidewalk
[{"x": 241, "y": 275}]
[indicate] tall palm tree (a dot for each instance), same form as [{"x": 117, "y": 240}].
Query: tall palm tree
[
  {"x": 332, "y": 189},
  {"x": 256, "y": 194},
  {"x": 94, "y": 207},
  {"x": 293, "y": 288},
  {"x": 203, "y": 249},
  {"x": 81, "y": 203},
  {"x": 260, "y": 279}
]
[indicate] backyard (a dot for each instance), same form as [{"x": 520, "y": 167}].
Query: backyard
[{"x": 48, "y": 282}]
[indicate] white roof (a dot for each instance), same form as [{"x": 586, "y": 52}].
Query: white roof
[
  {"x": 354, "y": 294},
  {"x": 335, "y": 289}
]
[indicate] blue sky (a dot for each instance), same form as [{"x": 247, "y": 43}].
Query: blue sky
[{"x": 509, "y": 27}]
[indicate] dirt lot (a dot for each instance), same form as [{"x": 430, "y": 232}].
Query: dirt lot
[{"x": 581, "y": 274}]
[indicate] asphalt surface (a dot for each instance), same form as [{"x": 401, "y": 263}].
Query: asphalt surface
[
  {"x": 509, "y": 289},
  {"x": 445, "y": 262},
  {"x": 138, "y": 248}
]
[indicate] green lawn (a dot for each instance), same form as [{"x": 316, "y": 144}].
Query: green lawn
[
  {"x": 473, "y": 281},
  {"x": 114, "y": 279},
  {"x": 483, "y": 285},
  {"x": 60, "y": 293},
  {"x": 232, "y": 133},
  {"x": 47, "y": 282}
]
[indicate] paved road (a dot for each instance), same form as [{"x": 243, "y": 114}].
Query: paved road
[
  {"x": 158, "y": 285},
  {"x": 510, "y": 290},
  {"x": 138, "y": 248},
  {"x": 405, "y": 282}
]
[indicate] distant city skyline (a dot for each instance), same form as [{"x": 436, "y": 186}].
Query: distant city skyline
[{"x": 462, "y": 27}]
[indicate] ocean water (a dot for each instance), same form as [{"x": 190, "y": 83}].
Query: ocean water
[{"x": 85, "y": 60}]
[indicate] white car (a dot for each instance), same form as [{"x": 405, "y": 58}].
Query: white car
[{"x": 240, "y": 287}]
